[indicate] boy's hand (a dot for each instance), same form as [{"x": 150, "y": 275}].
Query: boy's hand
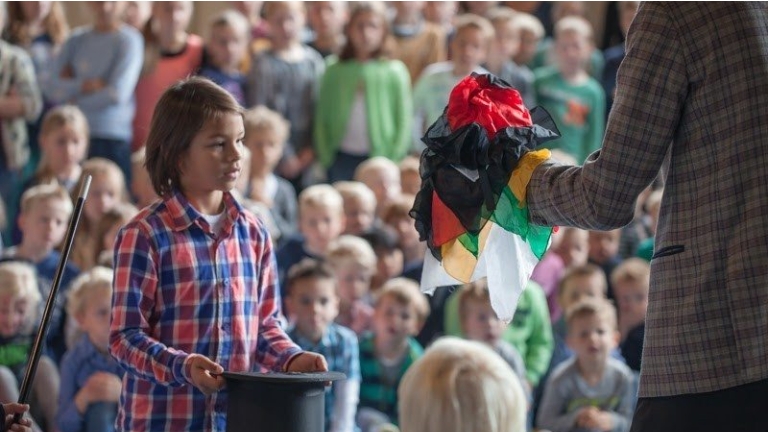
[
  {"x": 307, "y": 362},
  {"x": 205, "y": 374},
  {"x": 594, "y": 418},
  {"x": 92, "y": 85},
  {"x": 11, "y": 409}
]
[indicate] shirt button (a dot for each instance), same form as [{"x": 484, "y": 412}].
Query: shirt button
[{"x": 225, "y": 282}]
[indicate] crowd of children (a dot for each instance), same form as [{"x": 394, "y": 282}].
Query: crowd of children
[{"x": 315, "y": 129}]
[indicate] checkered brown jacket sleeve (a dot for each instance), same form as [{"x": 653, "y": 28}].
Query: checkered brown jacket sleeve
[{"x": 694, "y": 83}]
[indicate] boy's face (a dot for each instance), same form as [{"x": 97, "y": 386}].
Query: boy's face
[
  {"x": 469, "y": 49},
  {"x": 480, "y": 322},
  {"x": 632, "y": 301},
  {"x": 313, "y": 305},
  {"x": 603, "y": 245},
  {"x": 286, "y": 23},
  {"x": 64, "y": 148},
  {"x": 573, "y": 51},
  {"x": 94, "y": 317},
  {"x": 410, "y": 182},
  {"x": 591, "y": 338},
  {"x": 14, "y": 311},
  {"x": 105, "y": 193},
  {"x": 384, "y": 185},
  {"x": 44, "y": 224},
  {"x": 366, "y": 33},
  {"x": 529, "y": 43},
  {"x": 581, "y": 287},
  {"x": 389, "y": 264},
  {"x": 212, "y": 163},
  {"x": 173, "y": 16},
  {"x": 574, "y": 248},
  {"x": 226, "y": 47},
  {"x": 359, "y": 215},
  {"x": 405, "y": 227},
  {"x": 353, "y": 282},
  {"x": 320, "y": 225},
  {"x": 507, "y": 41},
  {"x": 266, "y": 148},
  {"x": 326, "y": 17},
  {"x": 393, "y": 321}
]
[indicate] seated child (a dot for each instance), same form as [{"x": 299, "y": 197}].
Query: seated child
[
  {"x": 19, "y": 300},
  {"x": 480, "y": 323},
  {"x": 388, "y": 352},
  {"x": 396, "y": 216},
  {"x": 460, "y": 386},
  {"x": 573, "y": 247},
  {"x": 90, "y": 377},
  {"x": 354, "y": 264},
  {"x": 604, "y": 252},
  {"x": 359, "y": 206},
  {"x": 106, "y": 232},
  {"x": 389, "y": 257},
  {"x": 383, "y": 177},
  {"x": 591, "y": 391},
  {"x": 321, "y": 220},
  {"x": 45, "y": 212},
  {"x": 504, "y": 48},
  {"x": 631, "y": 282},
  {"x": 410, "y": 178},
  {"x": 313, "y": 305}
]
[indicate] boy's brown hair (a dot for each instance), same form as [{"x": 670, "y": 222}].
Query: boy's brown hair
[
  {"x": 308, "y": 268},
  {"x": 592, "y": 306},
  {"x": 397, "y": 209},
  {"x": 180, "y": 114},
  {"x": 473, "y": 292},
  {"x": 586, "y": 270},
  {"x": 405, "y": 292}
]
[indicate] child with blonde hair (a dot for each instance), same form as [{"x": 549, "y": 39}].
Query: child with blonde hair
[
  {"x": 591, "y": 391},
  {"x": 459, "y": 386},
  {"x": 226, "y": 48},
  {"x": 321, "y": 220},
  {"x": 19, "y": 301},
  {"x": 90, "y": 377},
  {"x": 382, "y": 176},
  {"x": 266, "y": 132},
  {"x": 359, "y": 206},
  {"x": 388, "y": 352},
  {"x": 64, "y": 144},
  {"x": 354, "y": 264},
  {"x": 45, "y": 213},
  {"x": 531, "y": 33},
  {"x": 108, "y": 189}
]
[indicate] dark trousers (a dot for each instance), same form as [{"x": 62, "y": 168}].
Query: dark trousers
[
  {"x": 100, "y": 417},
  {"x": 344, "y": 166},
  {"x": 737, "y": 409}
]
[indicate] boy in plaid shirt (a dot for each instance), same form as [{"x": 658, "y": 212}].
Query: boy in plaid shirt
[{"x": 195, "y": 289}]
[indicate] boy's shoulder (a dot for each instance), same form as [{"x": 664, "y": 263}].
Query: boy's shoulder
[{"x": 620, "y": 369}]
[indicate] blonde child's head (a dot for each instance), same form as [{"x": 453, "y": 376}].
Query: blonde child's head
[
  {"x": 312, "y": 300},
  {"x": 478, "y": 320},
  {"x": 573, "y": 246},
  {"x": 382, "y": 176},
  {"x": 266, "y": 132},
  {"x": 43, "y": 218},
  {"x": 359, "y": 206},
  {"x": 507, "y": 41},
  {"x": 354, "y": 263},
  {"x": 227, "y": 42},
  {"x": 89, "y": 303},
  {"x": 573, "y": 44},
  {"x": 410, "y": 177},
  {"x": 631, "y": 282},
  {"x": 286, "y": 21},
  {"x": 458, "y": 386},
  {"x": 471, "y": 42},
  {"x": 581, "y": 282},
  {"x": 400, "y": 310},
  {"x": 367, "y": 32},
  {"x": 441, "y": 13},
  {"x": 106, "y": 231},
  {"x": 531, "y": 33},
  {"x": 63, "y": 143},
  {"x": 187, "y": 112},
  {"x": 19, "y": 298},
  {"x": 108, "y": 188},
  {"x": 141, "y": 184},
  {"x": 592, "y": 330},
  {"x": 321, "y": 217}
]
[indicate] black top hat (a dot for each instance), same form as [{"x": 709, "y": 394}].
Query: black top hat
[{"x": 277, "y": 402}]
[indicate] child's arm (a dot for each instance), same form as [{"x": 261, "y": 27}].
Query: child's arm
[
  {"x": 401, "y": 87},
  {"x": 274, "y": 348},
  {"x": 24, "y": 99},
  {"x": 119, "y": 85},
  {"x": 62, "y": 87},
  {"x": 541, "y": 342},
  {"x": 133, "y": 302}
]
